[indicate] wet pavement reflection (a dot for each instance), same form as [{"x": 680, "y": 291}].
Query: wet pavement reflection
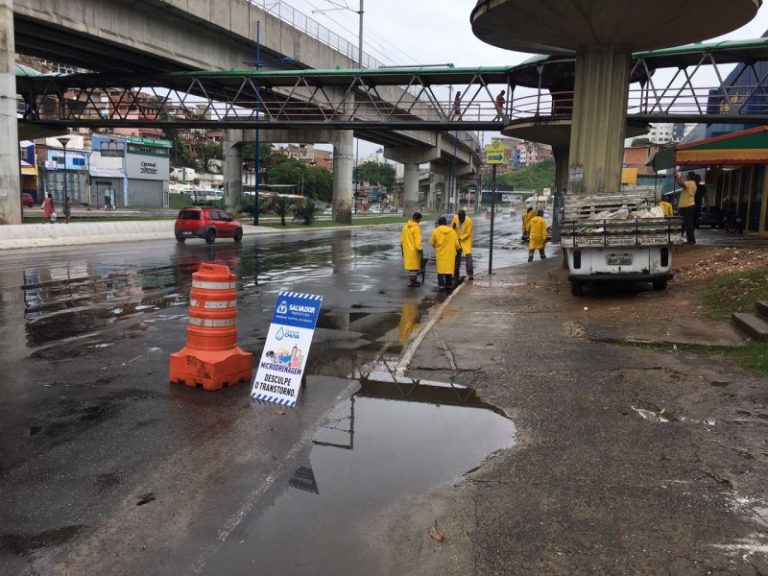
[
  {"x": 390, "y": 440},
  {"x": 87, "y": 412}
]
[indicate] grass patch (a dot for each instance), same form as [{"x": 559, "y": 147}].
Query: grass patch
[
  {"x": 753, "y": 356},
  {"x": 736, "y": 292}
]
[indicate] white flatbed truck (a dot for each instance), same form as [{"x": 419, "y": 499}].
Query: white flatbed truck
[{"x": 617, "y": 238}]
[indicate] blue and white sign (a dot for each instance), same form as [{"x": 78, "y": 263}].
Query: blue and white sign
[{"x": 278, "y": 377}]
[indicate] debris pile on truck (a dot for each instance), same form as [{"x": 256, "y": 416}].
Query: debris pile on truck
[{"x": 618, "y": 238}]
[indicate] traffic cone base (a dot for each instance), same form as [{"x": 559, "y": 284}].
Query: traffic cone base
[{"x": 213, "y": 370}]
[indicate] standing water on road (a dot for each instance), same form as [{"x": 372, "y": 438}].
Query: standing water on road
[{"x": 387, "y": 442}]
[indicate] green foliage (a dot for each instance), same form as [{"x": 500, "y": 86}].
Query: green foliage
[
  {"x": 736, "y": 292},
  {"x": 536, "y": 177},
  {"x": 376, "y": 173},
  {"x": 207, "y": 152},
  {"x": 305, "y": 211},
  {"x": 280, "y": 205}
]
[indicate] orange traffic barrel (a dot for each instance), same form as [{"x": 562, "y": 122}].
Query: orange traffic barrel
[{"x": 211, "y": 358}]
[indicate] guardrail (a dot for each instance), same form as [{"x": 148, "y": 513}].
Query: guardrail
[{"x": 314, "y": 29}]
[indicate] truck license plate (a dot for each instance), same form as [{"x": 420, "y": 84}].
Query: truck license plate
[{"x": 619, "y": 260}]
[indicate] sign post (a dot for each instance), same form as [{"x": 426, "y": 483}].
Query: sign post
[
  {"x": 494, "y": 155},
  {"x": 281, "y": 368}
]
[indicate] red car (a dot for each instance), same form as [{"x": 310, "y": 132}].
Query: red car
[
  {"x": 207, "y": 223},
  {"x": 27, "y": 200}
]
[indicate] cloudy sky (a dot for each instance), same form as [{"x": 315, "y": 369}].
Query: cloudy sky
[{"x": 431, "y": 32}]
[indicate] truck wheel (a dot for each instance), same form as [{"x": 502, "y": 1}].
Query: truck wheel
[
  {"x": 577, "y": 288},
  {"x": 210, "y": 237},
  {"x": 180, "y": 239},
  {"x": 659, "y": 285},
  {"x": 238, "y": 235}
]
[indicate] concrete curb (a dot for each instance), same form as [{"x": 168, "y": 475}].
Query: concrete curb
[{"x": 414, "y": 344}]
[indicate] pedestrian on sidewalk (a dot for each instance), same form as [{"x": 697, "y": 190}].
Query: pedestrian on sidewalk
[
  {"x": 410, "y": 247},
  {"x": 67, "y": 209},
  {"x": 456, "y": 112},
  {"x": 500, "y": 105},
  {"x": 463, "y": 226},
  {"x": 537, "y": 236},
  {"x": 48, "y": 209},
  {"x": 445, "y": 241},
  {"x": 686, "y": 205}
]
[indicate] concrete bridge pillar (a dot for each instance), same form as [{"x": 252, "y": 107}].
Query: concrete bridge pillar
[
  {"x": 233, "y": 170},
  {"x": 343, "y": 165},
  {"x": 10, "y": 184},
  {"x": 599, "y": 119},
  {"x": 410, "y": 189},
  {"x": 560, "y": 154},
  {"x": 432, "y": 194}
]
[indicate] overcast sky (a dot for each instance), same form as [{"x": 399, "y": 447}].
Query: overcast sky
[{"x": 433, "y": 32}]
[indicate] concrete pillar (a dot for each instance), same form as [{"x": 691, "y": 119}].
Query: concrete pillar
[
  {"x": 599, "y": 120},
  {"x": 432, "y": 195},
  {"x": 410, "y": 189},
  {"x": 233, "y": 170},
  {"x": 10, "y": 181},
  {"x": 560, "y": 154},
  {"x": 343, "y": 168}
]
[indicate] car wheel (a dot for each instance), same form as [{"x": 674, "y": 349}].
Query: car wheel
[
  {"x": 238, "y": 235},
  {"x": 180, "y": 239},
  {"x": 210, "y": 237},
  {"x": 659, "y": 285}
]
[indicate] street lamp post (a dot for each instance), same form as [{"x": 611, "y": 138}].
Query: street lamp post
[
  {"x": 360, "y": 32},
  {"x": 64, "y": 140}
]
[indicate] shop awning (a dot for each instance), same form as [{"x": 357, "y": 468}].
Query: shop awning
[
  {"x": 734, "y": 149},
  {"x": 29, "y": 170}
]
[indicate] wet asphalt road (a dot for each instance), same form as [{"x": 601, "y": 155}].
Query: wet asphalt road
[{"x": 106, "y": 468}]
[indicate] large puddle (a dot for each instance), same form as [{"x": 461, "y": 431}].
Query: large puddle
[{"x": 388, "y": 441}]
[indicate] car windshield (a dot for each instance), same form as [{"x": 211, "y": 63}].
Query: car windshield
[{"x": 189, "y": 215}]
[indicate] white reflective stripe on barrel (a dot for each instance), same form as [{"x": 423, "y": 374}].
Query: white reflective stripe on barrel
[
  {"x": 211, "y": 323},
  {"x": 220, "y": 304},
  {"x": 214, "y": 304},
  {"x": 213, "y": 285}
]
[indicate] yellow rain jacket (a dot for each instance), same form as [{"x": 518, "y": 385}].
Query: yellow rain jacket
[
  {"x": 446, "y": 243},
  {"x": 538, "y": 234},
  {"x": 464, "y": 231},
  {"x": 410, "y": 242},
  {"x": 527, "y": 217},
  {"x": 667, "y": 207}
]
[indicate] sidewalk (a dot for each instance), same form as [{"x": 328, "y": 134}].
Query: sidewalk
[{"x": 628, "y": 460}]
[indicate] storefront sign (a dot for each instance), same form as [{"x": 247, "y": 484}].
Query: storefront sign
[{"x": 281, "y": 368}]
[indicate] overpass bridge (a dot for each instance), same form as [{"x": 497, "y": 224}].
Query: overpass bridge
[
  {"x": 128, "y": 37},
  {"x": 386, "y": 105}
]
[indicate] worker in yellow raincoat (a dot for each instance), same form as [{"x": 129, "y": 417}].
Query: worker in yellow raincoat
[
  {"x": 463, "y": 226},
  {"x": 410, "y": 246},
  {"x": 445, "y": 241},
  {"x": 529, "y": 214},
  {"x": 537, "y": 236}
]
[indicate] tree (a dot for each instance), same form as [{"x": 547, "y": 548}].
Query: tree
[
  {"x": 318, "y": 183},
  {"x": 281, "y": 207},
  {"x": 376, "y": 173},
  {"x": 207, "y": 152}
]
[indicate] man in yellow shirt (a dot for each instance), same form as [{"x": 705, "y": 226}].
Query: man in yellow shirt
[
  {"x": 463, "y": 226},
  {"x": 410, "y": 246},
  {"x": 686, "y": 205}
]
